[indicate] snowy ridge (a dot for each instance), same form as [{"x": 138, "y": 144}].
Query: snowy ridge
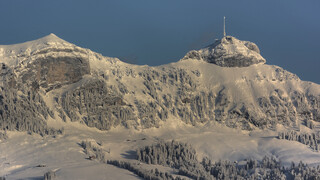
[
  {"x": 14, "y": 54},
  {"x": 255, "y": 95},
  {"x": 48, "y": 46},
  {"x": 69, "y": 94}
]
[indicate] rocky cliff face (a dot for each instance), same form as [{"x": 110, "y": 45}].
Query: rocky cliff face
[
  {"x": 48, "y": 62},
  {"x": 52, "y": 72},
  {"x": 226, "y": 82},
  {"x": 229, "y": 52}
]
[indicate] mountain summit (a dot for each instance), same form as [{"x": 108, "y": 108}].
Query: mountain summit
[
  {"x": 15, "y": 54},
  {"x": 52, "y": 37},
  {"x": 229, "y": 52}
]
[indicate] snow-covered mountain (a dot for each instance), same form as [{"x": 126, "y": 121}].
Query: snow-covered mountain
[
  {"x": 226, "y": 82},
  {"x": 48, "y": 85}
]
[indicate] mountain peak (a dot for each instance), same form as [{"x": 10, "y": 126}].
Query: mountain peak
[
  {"x": 52, "y": 35},
  {"x": 229, "y": 52},
  {"x": 15, "y": 53},
  {"x": 51, "y": 38},
  {"x": 35, "y": 44}
]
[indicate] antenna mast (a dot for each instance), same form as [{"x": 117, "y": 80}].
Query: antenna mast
[{"x": 224, "y": 26}]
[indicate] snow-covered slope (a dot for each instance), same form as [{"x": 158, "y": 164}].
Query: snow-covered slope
[
  {"x": 79, "y": 85},
  {"x": 48, "y": 84},
  {"x": 48, "y": 46},
  {"x": 25, "y": 156}
]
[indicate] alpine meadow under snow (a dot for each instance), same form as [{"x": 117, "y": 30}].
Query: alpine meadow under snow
[{"x": 218, "y": 113}]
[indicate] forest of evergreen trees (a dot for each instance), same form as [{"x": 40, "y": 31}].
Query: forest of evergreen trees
[
  {"x": 50, "y": 175},
  {"x": 24, "y": 111},
  {"x": 153, "y": 174},
  {"x": 311, "y": 140},
  {"x": 173, "y": 154},
  {"x": 183, "y": 157},
  {"x": 3, "y": 135},
  {"x": 93, "y": 151}
]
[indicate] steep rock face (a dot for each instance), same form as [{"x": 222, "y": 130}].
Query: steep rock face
[
  {"x": 229, "y": 52},
  {"x": 52, "y": 72},
  {"x": 48, "y": 62},
  {"x": 103, "y": 92}
]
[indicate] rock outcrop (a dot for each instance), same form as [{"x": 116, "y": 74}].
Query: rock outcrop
[
  {"x": 229, "y": 52},
  {"x": 52, "y": 72}
]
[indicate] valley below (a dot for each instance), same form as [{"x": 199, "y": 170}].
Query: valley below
[{"x": 22, "y": 155}]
